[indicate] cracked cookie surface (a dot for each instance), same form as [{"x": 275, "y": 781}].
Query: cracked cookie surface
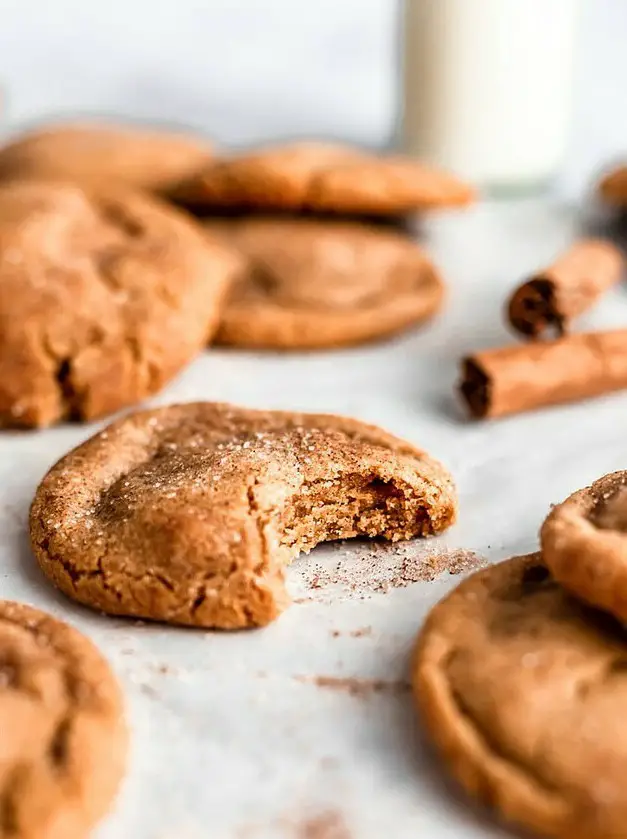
[
  {"x": 103, "y": 299},
  {"x": 523, "y": 690},
  {"x": 584, "y": 543},
  {"x": 64, "y": 740},
  {"x": 189, "y": 514},
  {"x": 100, "y": 153},
  {"x": 322, "y": 177},
  {"x": 315, "y": 284}
]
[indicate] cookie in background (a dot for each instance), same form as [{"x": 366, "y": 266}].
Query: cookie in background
[
  {"x": 104, "y": 297},
  {"x": 313, "y": 284},
  {"x": 103, "y": 153},
  {"x": 321, "y": 177}
]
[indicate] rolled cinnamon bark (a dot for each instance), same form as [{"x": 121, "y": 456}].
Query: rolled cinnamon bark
[
  {"x": 519, "y": 378},
  {"x": 553, "y": 297},
  {"x": 613, "y": 187}
]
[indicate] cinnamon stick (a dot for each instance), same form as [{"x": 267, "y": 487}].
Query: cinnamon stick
[
  {"x": 553, "y": 297},
  {"x": 613, "y": 187},
  {"x": 519, "y": 378}
]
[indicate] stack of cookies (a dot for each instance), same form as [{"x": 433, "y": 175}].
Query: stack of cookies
[
  {"x": 521, "y": 673},
  {"x": 109, "y": 290},
  {"x": 323, "y": 267}
]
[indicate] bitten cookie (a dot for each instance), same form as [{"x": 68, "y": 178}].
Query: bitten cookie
[
  {"x": 64, "y": 740},
  {"x": 315, "y": 284},
  {"x": 613, "y": 187},
  {"x": 325, "y": 178},
  {"x": 103, "y": 299},
  {"x": 189, "y": 514},
  {"x": 523, "y": 691},
  {"x": 102, "y": 154},
  {"x": 584, "y": 543}
]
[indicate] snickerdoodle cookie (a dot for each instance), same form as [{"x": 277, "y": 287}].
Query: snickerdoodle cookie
[
  {"x": 613, "y": 188},
  {"x": 64, "y": 740},
  {"x": 313, "y": 284},
  {"x": 103, "y": 298},
  {"x": 189, "y": 514},
  {"x": 322, "y": 177},
  {"x": 584, "y": 543},
  {"x": 523, "y": 689},
  {"x": 103, "y": 154}
]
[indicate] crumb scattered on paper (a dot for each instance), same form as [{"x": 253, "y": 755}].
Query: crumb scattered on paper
[
  {"x": 362, "y": 632},
  {"x": 376, "y": 568},
  {"x": 329, "y": 825},
  {"x": 354, "y": 686},
  {"x": 149, "y": 690}
]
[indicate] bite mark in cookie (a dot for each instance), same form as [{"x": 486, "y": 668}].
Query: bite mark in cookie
[{"x": 189, "y": 514}]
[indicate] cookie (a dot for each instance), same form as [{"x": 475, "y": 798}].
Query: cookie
[
  {"x": 103, "y": 299},
  {"x": 64, "y": 740},
  {"x": 313, "y": 284},
  {"x": 613, "y": 187},
  {"x": 323, "y": 178},
  {"x": 189, "y": 514},
  {"x": 100, "y": 153},
  {"x": 523, "y": 689},
  {"x": 584, "y": 543}
]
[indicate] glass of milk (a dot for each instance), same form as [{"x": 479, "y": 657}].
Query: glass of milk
[{"x": 487, "y": 87}]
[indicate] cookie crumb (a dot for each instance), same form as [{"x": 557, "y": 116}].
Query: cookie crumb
[
  {"x": 329, "y": 825},
  {"x": 148, "y": 690},
  {"x": 354, "y": 686},
  {"x": 380, "y": 568},
  {"x": 362, "y": 632}
]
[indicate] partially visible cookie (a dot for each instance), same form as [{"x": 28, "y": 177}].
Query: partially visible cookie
[
  {"x": 104, "y": 297},
  {"x": 524, "y": 691},
  {"x": 189, "y": 514},
  {"x": 613, "y": 187},
  {"x": 314, "y": 284},
  {"x": 584, "y": 543},
  {"x": 64, "y": 739},
  {"x": 105, "y": 154},
  {"x": 322, "y": 177}
]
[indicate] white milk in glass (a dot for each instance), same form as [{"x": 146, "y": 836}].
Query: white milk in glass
[{"x": 487, "y": 86}]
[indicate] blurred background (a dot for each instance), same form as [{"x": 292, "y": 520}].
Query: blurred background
[{"x": 248, "y": 70}]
